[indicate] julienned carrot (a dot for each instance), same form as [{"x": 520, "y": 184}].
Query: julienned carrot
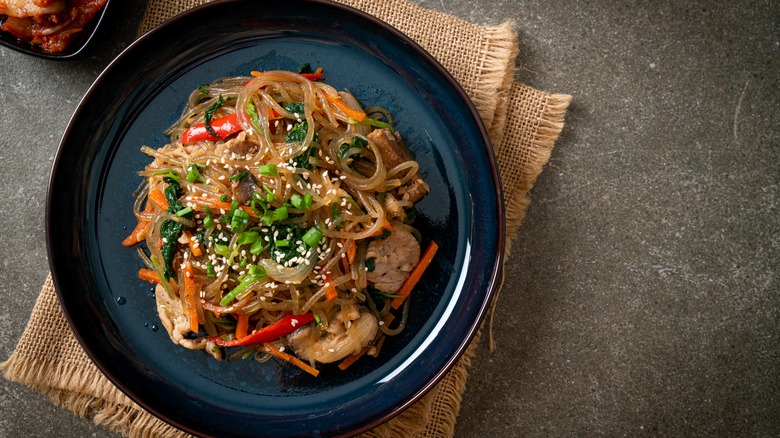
[
  {"x": 149, "y": 275},
  {"x": 158, "y": 199},
  {"x": 351, "y": 250},
  {"x": 190, "y": 295},
  {"x": 352, "y": 358},
  {"x": 193, "y": 243},
  {"x": 139, "y": 233},
  {"x": 275, "y": 352},
  {"x": 242, "y": 327},
  {"x": 330, "y": 293},
  {"x": 414, "y": 277},
  {"x": 349, "y": 112},
  {"x": 385, "y": 226}
]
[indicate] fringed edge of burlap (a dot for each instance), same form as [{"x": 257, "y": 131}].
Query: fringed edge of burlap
[
  {"x": 79, "y": 391},
  {"x": 549, "y": 129},
  {"x": 502, "y": 83},
  {"x": 126, "y": 420},
  {"x": 490, "y": 93}
]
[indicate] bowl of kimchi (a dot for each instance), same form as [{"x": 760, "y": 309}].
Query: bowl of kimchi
[{"x": 51, "y": 29}]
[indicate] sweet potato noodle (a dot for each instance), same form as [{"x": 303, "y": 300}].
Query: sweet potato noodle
[
  {"x": 51, "y": 24},
  {"x": 278, "y": 220}
]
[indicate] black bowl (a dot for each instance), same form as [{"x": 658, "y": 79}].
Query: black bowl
[
  {"x": 89, "y": 212},
  {"x": 78, "y": 45}
]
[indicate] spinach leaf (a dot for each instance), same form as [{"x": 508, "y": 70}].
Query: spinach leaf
[
  {"x": 170, "y": 231},
  {"x": 295, "y": 108},
  {"x": 207, "y": 116},
  {"x": 172, "y": 193}
]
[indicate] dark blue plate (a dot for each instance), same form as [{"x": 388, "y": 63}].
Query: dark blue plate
[
  {"x": 76, "y": 49},
  {"x": 89, "y": 212}
]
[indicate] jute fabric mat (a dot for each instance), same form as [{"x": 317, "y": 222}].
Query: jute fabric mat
[{"x": 523, "y": 123}]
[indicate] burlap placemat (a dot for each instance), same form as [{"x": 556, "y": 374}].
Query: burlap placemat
[{"x": 523, "y": 123}]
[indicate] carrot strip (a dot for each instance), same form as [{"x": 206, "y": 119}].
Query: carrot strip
[
  {"x": 190, "y": 295},
  {"x": 349, "y": 112},
  {"x": 193, "y": 243},
  {"x": 139, "y": 233},
  {"x": 385, "y": 226},
  {"x": 414, "y": 277},
  {"x": 275, "y": 352},
  {"x": 330, "y": 293},
  {"x": 242, "y": 327},
  {"x": 352, "y": 358},
  {"x": 149, "y": 275},
  {"x": 351, "y": 251},
  {"x": 158, "y": 199}
]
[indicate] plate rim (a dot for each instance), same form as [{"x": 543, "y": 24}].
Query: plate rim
[{"x": 495, "y": 271}]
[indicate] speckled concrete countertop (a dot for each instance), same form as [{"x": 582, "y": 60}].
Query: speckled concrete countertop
[{"x": 641, "y": 296}]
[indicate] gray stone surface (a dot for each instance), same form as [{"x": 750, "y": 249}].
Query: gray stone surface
[{"x": 641, "y": 296}]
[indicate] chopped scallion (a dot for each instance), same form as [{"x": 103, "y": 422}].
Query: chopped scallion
[
  {"x": 247, "y": 237},
  {"x": 222, "y": 250},
  {"x": 169, "y": 173},
  {"x": 257, "y": 247},
  {"x": 193, "y": 174},
  {"x": 312, "y": 237},
  {"x": 268, "y": 170},
  {"x": 184, "y": 211},
  {"x": 239, "y": 221},
  {"x": 301, "y": 202}
]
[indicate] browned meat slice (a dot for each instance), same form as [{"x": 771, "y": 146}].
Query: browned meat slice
[
  {"x": 241, "y": 146},
  {"x": 394, "y": 258},
  {"x": 347, "y": 334},
  {"x": 244, "y": 187},
  {"x": 391, "y": 147},
  {"x": 415, "y": 190}
]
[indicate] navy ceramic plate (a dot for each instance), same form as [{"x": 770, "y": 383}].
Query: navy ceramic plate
[
  {"x": 89, "y": 212},
  {"x": 77, "y": 47}
]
